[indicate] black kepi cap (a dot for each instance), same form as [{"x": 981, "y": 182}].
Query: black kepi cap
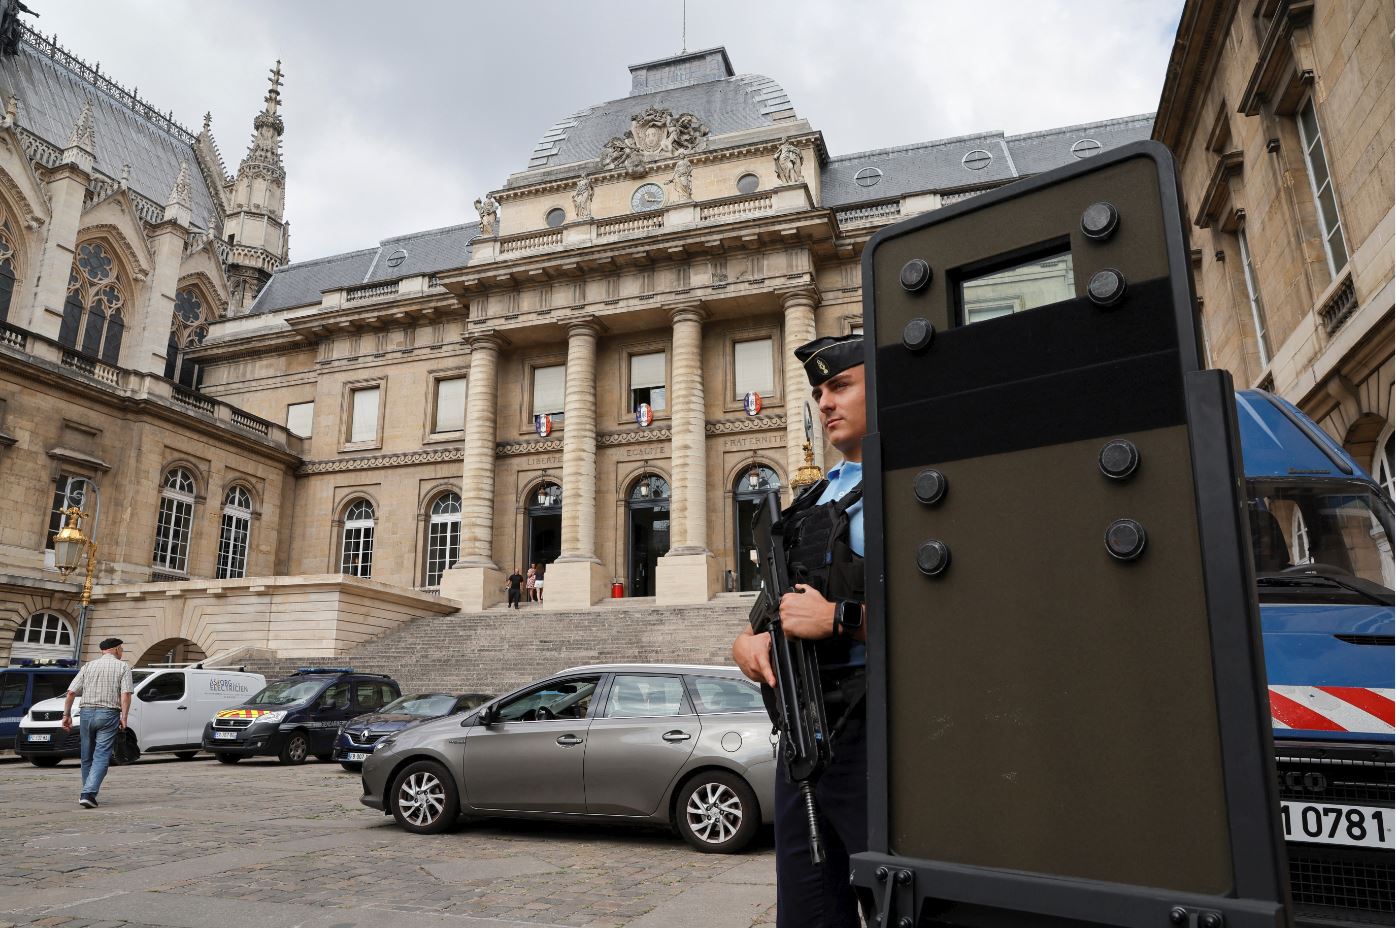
[
  {"x": 109, "y": 643},
  {"x": 825, "y": 357}
]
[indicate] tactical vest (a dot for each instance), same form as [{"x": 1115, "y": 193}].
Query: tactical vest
[{"x": 820, "y": 555}]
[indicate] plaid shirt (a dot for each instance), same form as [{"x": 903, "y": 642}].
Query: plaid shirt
[{"x": 100, "y": 683}]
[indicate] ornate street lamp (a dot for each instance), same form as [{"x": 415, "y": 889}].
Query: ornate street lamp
[{"x": 69, "y": 546}]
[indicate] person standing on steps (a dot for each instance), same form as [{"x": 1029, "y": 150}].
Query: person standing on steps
[
  {"x": 515, "y": 588},
  {"x": 105, "y": 686},
  {"x": 530, "y": 584}
]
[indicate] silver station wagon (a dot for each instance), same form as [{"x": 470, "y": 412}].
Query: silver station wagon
[{"x": 648, "y": 743}]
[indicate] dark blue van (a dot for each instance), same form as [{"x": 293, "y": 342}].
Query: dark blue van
[{"x": 24, "y": 682}]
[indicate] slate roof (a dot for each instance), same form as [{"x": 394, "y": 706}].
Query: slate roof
[
  {"x": 300, "y": 284},
  {"x": 52, "y": 89},
  {"x": 942, "y": 164}
]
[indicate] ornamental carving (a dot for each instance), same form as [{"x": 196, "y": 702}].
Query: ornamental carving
[
  {"x": 654, "y": 133},
  {"x": 382, "y": 460},
  {"x": 510, "y": 448},
  {"x": 790, "y": 163}
]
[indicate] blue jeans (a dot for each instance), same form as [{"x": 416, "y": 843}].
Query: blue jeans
[{"x": 97, "y": 729}]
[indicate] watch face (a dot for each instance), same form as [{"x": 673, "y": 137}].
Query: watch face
[{"x": 647, "y": 197}]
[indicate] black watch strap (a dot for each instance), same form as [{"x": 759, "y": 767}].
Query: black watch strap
[{"x": 850, "y": 617}]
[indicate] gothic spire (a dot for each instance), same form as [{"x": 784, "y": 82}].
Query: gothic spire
[
  {"x": 265, "y": 153},
  {"x": 83, "y": 135}
]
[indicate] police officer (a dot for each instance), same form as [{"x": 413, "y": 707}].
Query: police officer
[{"x": 824, "y": 528}]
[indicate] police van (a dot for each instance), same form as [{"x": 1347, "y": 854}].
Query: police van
[
  {"x": 299, "y": 716},
  {"x": 169, "y": 709},
  {"x": 26, "y": 681}
]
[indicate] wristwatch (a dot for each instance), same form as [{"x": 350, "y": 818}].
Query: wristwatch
[{"x": 848, "y": 617}]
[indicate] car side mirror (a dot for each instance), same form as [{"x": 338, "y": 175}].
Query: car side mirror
[{"x": 488, "y": 716}]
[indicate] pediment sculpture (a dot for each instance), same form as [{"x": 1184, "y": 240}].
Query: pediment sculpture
[{"x": 654, "y": 133}]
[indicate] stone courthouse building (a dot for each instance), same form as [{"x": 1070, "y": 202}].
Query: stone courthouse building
[
  {"x": 301, "y": 456},
  {"x": 1280, "y": 114}
]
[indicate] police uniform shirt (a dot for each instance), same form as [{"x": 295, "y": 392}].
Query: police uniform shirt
[{"x": 842, "y": 480}]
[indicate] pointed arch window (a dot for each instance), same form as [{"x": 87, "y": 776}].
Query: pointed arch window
[
  {"x": 233, "y": 534},
  {"x": 188, "y": 329},
  {"x": 443, "y": 537},
  {"x": 8, "y": 274},
  {"x": 94, "y": 318},
  {"x": 356, "y": 555},
  {"x": 175, "y": 522}
]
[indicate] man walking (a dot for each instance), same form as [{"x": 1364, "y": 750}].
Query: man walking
[
  {"x": 515, "y": 592},
  {"x": 105, "y": 686}
]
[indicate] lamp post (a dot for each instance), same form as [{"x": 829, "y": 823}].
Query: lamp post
[{"x": 69, "y": 545}]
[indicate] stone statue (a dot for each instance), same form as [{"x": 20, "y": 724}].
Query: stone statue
[
  {"x": 10, "y": 27},
  {"x": 11, "y": 111},
  {"x": 790, "y": 164},
  {"x": 581, "y": 197},
  {"x": 654, "y": 133},
  {"x": 488, "y": 208},
  {"x": 682, "y": 181}
]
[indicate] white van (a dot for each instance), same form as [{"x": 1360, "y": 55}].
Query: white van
[{"x": 169, "y": 709}]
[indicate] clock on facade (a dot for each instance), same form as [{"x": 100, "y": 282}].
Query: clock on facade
[{"x": 647, "y": 197}]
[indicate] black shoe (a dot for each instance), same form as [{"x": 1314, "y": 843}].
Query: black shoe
[{"x": 87, "y": 802}]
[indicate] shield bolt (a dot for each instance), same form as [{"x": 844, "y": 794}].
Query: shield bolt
[
  {"x": 1106, "y": 288},
  {"x": 903, "y": 877},
  {"x": 916, "y": 273},
  {"x": 918, "y": 334},
  {"x": 1099, "y": 221},
  {"x": 881, "y": 874},
  {"x": 904, "y": 922},
  {"x": 1125, "y": 539},
  {"x": 1178, "y": 915},
  {"x": 931, "y": 559},
  {"x": 930, "y": 486},
  {"x": 1119, "y": 459},
  {"x": 1210, "y": 920}
]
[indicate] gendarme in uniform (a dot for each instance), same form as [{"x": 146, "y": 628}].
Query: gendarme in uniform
[{"x": 825, "y": 531}]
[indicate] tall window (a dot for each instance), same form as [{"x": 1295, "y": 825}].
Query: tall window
[
  {"x": 647, "y": 381},
  {"x": 752, "y": 367},
  {"x": 549, "y": 388},
  {"x": 43, "y": 634},
  {"x": 232, "y": 536},
  {"x": 7, "y": 269},
  {"x": 174, "y": 522},
  {"x": 450, "y": 405},
  {"x": 356, "y": 557},
  {"x": 71, "y": 491},
  {"x": 1334, "y": 245},
  {"x": 363, "y": 425},
  {"x": 1262, "y": 334},
  {"x": 1384, "y": 465},
  {"x": 93, "y": 320},
  {"x": 188, "y": 329},
  {"x": 443, "y": 537},
  {"x": 299, "y": 418}
]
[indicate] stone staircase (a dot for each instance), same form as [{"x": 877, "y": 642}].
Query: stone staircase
[{"x": 500, "y": 649}]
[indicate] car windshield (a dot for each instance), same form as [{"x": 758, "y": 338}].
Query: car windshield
[
  {"x": 422, "y": 705},
  {"x": 286, "y": 692},
  {"x": 1332, "y": 539}
]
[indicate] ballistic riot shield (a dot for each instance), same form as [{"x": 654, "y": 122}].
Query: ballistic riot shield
[{"x": 1067, "y": 716}]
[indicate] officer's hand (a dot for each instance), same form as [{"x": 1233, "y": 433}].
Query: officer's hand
[
  {"x": 805, "y": 613},
  {"x": 752, "y": 654}
]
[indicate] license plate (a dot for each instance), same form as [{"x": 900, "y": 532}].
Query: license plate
[
  {"x": 355, "y": 755},
  {"x": 41, "y": 737},
  {"x": 1354, "y": 826},
  {"x": 230, "y": 735}
]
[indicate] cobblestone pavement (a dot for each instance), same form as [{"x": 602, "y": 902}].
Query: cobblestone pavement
[{"x": 198, "y": 843}]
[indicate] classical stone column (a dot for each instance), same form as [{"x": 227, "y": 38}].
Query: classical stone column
[
  {"x": 475, "y": 580},
  {"x": 577, "y": 579},
  {"x": 689, "y": 572},
  {"x": 799, "y": 329}
]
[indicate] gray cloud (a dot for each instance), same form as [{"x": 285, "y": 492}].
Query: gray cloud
[{"x": 399, "y": 114}]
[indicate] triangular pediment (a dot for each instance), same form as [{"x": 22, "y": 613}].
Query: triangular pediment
[
  {"x": 25, "y": 193},
  {"x": 115, "y": 217}
]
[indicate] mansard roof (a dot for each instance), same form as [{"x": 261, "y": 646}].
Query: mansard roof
[
  {"x": 52, "y": 86},
  {"x": 946, "y": 164},
  {"x": 701, "y": 83},
  {"x": 427, "y": 252}
]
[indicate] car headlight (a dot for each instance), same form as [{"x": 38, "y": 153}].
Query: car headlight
[
  {"x": 270, "y": 718},
  {"x": 384, "y": 744}
]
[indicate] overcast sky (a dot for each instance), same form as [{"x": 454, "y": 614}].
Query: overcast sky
[{"x": 400, "y": 112}]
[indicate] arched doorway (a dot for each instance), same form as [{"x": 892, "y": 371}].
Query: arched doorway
[
  {"x": 543, "y": 524},
  {"x": 753, "y": 485},
  {"x": 647, "y": 531},
  {"x": 171, "y": 651}
]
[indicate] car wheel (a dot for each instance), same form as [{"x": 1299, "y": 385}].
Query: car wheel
[
  {"x": 186, "y": 755},
  {"x": 424, "y": 799},
  {"x": 227, "y": 758},
  {"x": 295, "y": 749},
  {"x": 716, "y": 812},
  {"x": 42, "y": 760},
  {"x": 352, "y": 768}
]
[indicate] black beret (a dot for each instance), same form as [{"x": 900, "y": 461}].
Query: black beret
[
  {"x": 109, "y": 643},
  {"x": 825, "y": 357}
]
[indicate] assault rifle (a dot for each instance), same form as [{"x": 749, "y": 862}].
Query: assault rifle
[{"x": 798, "y": 710}]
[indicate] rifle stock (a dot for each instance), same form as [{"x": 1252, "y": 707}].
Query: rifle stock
[{"x": 799, "y": 697}]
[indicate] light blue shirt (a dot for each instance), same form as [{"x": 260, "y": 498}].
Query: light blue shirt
[{"x": 842, "y": 479}]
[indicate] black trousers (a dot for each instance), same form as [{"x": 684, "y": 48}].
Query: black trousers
[
  {"x": 514, "y": 596},
  {"x": 820, "y": 897}
]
